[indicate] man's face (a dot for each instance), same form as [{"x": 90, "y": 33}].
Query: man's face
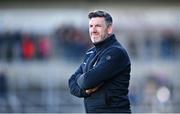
[{"x": 98, "y": 29}]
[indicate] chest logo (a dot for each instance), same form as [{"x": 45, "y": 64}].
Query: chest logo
[{"x": 108, "y": 57}]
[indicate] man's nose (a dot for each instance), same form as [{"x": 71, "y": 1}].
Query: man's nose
[{"x": 94, "y": 29}]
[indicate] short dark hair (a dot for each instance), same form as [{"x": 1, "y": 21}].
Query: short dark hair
[{"x": 107, "y": 16}]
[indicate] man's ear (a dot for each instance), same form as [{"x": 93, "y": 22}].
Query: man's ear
[{"x": 110, "y": 29}]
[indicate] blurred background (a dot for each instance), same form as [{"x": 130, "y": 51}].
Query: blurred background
[{"x": 43, "y": 42}]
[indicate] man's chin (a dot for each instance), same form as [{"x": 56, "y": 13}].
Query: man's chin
[{"x": 97, "y": 41}]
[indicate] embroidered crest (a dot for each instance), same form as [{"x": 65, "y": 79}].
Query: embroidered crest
[{"x": 108, "y": 57}]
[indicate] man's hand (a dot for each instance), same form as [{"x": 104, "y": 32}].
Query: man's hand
[{"x": 89, "y": 91}]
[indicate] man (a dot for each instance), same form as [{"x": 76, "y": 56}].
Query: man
[{"x": 103, "y": 77}]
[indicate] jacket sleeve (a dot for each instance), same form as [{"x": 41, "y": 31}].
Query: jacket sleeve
[
  {"x": 112, "y": 62},
  {"x": 73, "y": 86}
]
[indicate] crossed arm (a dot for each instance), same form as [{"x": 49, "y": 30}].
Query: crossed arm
[
  {"x": 75, "y": 88},
  {"x": 83, "y": 84}
]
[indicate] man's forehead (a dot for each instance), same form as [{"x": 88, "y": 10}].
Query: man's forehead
[{"x": 97, "y": 20}]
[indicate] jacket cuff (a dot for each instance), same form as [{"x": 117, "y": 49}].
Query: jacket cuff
[{"x": 85, "y": 94}]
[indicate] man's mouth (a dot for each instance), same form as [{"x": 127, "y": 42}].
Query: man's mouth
[{"x": 95, "y": 34}]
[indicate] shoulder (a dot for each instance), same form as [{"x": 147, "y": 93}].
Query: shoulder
[
  {"x": 116, "y": 52},
  {"x": 90, "y": 51},
  {"x": 116, "y": 49}
]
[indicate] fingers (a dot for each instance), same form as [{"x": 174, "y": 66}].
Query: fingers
[{"x": 89, "y": 91}]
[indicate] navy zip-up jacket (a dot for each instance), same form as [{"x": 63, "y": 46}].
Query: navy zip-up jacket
[{"x": 107, "y": 64}]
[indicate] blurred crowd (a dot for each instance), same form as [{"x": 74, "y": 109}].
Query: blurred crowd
[
  {"x": 67, "y": 41},
  {"x": 154, "y": 44},
  {"x": 71, "y": 43},
  {"x": 24, "y": 46}
]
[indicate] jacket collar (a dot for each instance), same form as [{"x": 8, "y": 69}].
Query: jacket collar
[{"x": 105, "y": 43}]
